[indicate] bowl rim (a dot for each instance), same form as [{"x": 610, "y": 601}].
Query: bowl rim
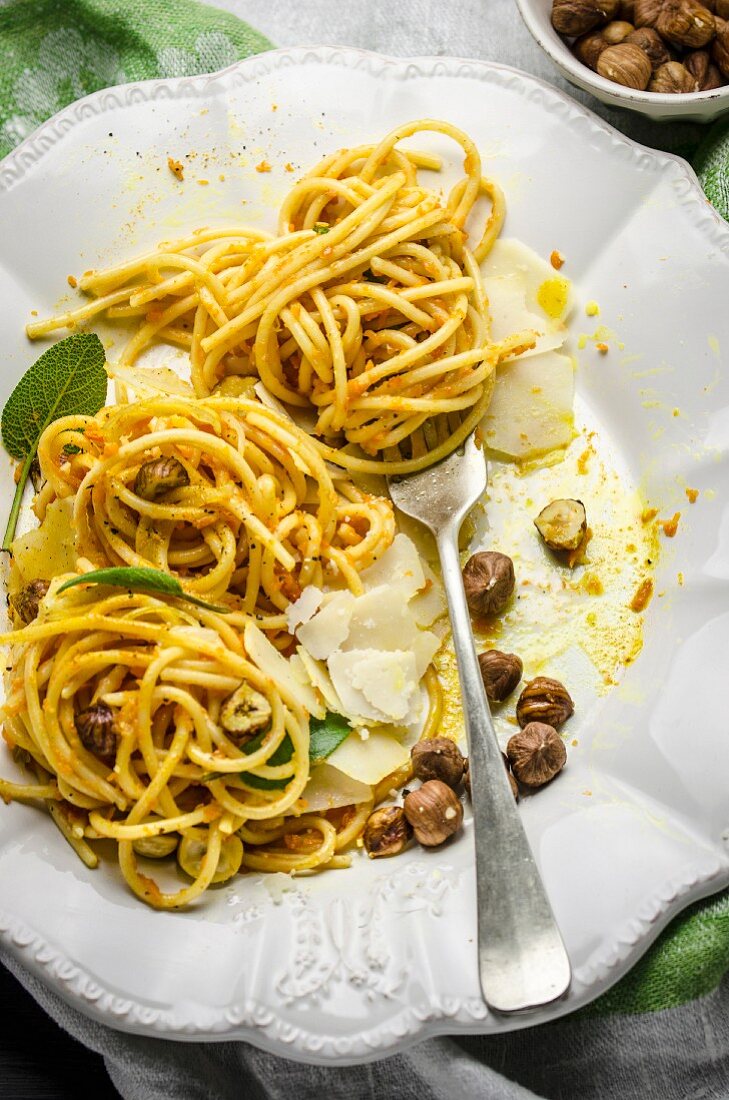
[{"x": 556, "y": 49}]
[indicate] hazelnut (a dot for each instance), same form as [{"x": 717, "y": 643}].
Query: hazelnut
[
  {"x": 617, "y": 31},
  {"x": 563, "y": 523},
  {"x": 26, "y": 602},
  {"x": 156, "y": 847},
  {"x": 588, "y": 48},
  {"x": 488, "y": 578},
  {"x": 512, "y": 781},
  {"x": 573, "y": 17},
  {"x": 95, "y": 727},
  {"x": 646, "y": 13},
  {"x": 500, "y": 672},
  {"x": 625, "y": 64},
  {"x": 651, "y": 44},
  {"x": 536, "y": 754},
  {"x": 434, "y": 812},
  {"x": 387, "y": 832},
  {"x": 438, "y": 758},
  {"x": 720, "y": 50},
  {"x": 244, "y": 712},
  {"x": 160, "y": 476},
  {"x": 672, "y": 79},
  {"x": 544, "y": 700},
  {"x": 685, "y": 23},
  {"x": 703, "y": 70}
]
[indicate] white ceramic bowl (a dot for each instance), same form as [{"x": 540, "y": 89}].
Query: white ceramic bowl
[{"x": 694, "y": 106}]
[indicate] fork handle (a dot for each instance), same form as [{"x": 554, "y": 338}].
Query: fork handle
[{"x": 522, "y": 959}]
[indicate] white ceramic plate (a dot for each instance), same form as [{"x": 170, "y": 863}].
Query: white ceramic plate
[{"x": 357, "y": 964}]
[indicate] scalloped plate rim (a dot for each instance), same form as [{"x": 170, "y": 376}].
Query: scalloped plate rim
[{"x": 402, "y": 1031}]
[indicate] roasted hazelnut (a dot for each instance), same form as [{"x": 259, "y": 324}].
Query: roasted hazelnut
[
  {"x": 536, "y": 754},
  {"x": 438, "y": 758},
  {"x": 651, "y": 43},
  {"x": 160, "y": 476},
  {"x": 646, "y": 13},
  {"x": 512, "y": 781},
  {"x": 544, "y": 700},
  {"x": 703, "y": 70},
  {"x": 500, "y": 672},
  {"x": 244, "y": 712},
  {"x": 488, "y": 578},
  {"x": 95, "y": 727},
  {"x": 625, "y": 64},
  {"x": 673, "y": 78},
  {"x": 573, "y": 17},
  {"x": 720, "y": 50},
  {"x": 562, "y": 524},
  {"x": 588, "y": 48},
  {"x": 617, "y": 31},
  {"x": 387, "y": 832},
  {"x": 434, "y": 811},
  {"x": 26, "y": 602},
  {"x": 691, "y": 24}
]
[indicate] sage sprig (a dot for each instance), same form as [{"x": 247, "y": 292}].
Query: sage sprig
[{"x": 68, "y": 379}]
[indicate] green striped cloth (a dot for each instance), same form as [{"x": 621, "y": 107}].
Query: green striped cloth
[{"x": 55, "y": 51}]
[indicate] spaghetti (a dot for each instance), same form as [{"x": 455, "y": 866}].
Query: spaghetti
[
  {"x": 225, "y": 494},
  {"x": 367, "y": 307},
  {"x": 147, "y": 722}
]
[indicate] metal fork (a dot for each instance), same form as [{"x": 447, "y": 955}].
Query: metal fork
[{"x": 522, "y": 960}]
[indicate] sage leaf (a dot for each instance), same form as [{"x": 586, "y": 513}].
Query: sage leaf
[
  {"x": 68, "y": 379},
  {"x": 326, "y": 734},
  {"x": 140, "y": 579}
]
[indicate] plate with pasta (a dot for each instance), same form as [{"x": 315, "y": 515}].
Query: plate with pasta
[{"x": 235, "y": 787}]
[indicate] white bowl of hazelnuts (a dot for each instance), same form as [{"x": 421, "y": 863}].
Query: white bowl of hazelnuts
[{"x": 668, "y": 59}]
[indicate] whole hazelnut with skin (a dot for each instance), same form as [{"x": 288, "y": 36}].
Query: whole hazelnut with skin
[
  {"x": 387, "y": 832},
  {"x": 672, "y": 79},
  {"x": 703, "y": 70},
  {"x": 95, "y": 727},
  {"x": 588, "y": 48},
  {"x": 720, "y": 50},
  {"x": 544, "y": 700},
  {"x": 488, "y": 578},
  {"x": 646, "y": 13},
  {"x": 617, "y": 31},
  {"x": 686, "y": 23},
  {"x": 573, "y": 17},
  {"x": 500, "y": 672},
  {"x": 434, "y": 812},
  {"x": 438, "y": 758},
  {"x": 536, "y": 754},
  {"x": 625, "y": 64},
  {"x": 651, "y": 43}
]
